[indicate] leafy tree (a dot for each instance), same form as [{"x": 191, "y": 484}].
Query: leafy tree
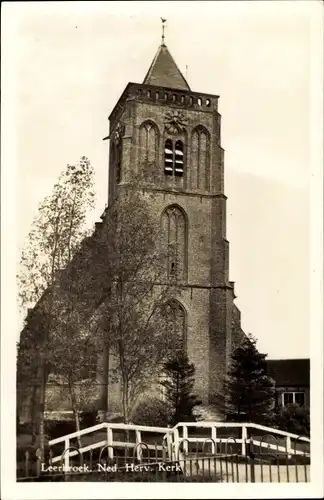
[
  {"x": 71, "y": 348},
  {"x": 53, "y": 240},
  {"x": 130, "y": 314},
  {"x": 249, "y": 392},
  {"x": 178, "y": 385}
]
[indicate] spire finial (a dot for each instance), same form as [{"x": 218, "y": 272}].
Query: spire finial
[{"x": 163, "y": 27}]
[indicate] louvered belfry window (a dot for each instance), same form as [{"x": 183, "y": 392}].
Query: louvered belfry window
[
  {"x": 173, "y": 158},
  {"x": 168, "y": 157},
  {"x": 178, "y": 159}
]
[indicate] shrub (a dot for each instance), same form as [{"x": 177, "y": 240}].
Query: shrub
[
  {"x": 58, "y": 428},
  {"x": 293, "y": 418},
  {"x": 88, "y": 418},
  {"x": 151, "y": 412}
]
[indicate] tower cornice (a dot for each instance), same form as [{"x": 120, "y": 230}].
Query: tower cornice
[{"x": 185, "y": 99}]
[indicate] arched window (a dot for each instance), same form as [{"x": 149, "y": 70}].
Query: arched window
[
  {"x": 173, "y": 158},
  {"x": 148, "y": 143},
  {"x": 200, "y": 144},
  {"x": 175, "y": 327},
  {"x": 176, "y": 323},
  {"x": 174, "y": 237}
]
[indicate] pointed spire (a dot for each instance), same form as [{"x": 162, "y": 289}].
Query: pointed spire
[{"x": 163, "y": 71}]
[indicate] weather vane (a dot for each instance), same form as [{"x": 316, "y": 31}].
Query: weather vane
[{"x": 163, "y": 27}]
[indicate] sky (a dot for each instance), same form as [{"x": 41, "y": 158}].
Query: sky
[{"x": 70, "y": 62}]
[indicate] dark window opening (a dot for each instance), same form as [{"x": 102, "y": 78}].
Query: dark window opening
[
  {"x": 208, "y": 103},
  {"x": 288, "y": 398},
  {"x": 173, "y": 158},
  {"x": 174, "y": 98},
  {"x": 157, "y": 95},
  {"x": 166, "y": 96},
  {"x": 190, "y": 101},
  {"x": 199, "y": 101},
  {"x": 139, "y": 92},
  {"x": 182, "y": 100},
  {"x": 148, "y": 93},
  {"x": 300, "y": 398}
]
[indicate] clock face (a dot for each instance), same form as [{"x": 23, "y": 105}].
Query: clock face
[{"x": 175, "y": 122}]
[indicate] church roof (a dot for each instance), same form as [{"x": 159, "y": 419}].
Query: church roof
[{"x": 164, "y": 72}]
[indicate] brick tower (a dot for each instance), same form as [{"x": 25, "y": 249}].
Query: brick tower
[{"x": 164, "y": 126}]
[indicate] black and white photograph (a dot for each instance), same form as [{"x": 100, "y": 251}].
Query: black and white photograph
[{"x": 162, "y": 249}]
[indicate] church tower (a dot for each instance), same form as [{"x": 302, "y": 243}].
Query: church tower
[{"x": 164, "y": 129}]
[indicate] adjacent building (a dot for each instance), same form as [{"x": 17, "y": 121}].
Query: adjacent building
[{"x": 292, "y": 378}]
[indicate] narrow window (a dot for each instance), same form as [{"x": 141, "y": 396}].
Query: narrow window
[
  {"x": 287, "y": 398},
  {"x": 208, "y": 103},
  {"x": 174, "y": 98},
  {"x": 174, "y": 238},
  {"x": 190, "y": 101},
  {"x": 166, "y": 96},
  {"x": 139, "y": 92},
  {"x": 179, "y": 159},
  {"x": 88, "y": 370},
  {"x": 148, "y": 93},
  {"x": 157, "y": 95},
  {"x": 168, "y": 157},
  {"x": 199, "y": 101},
  {"x": 182, "y": 100}
]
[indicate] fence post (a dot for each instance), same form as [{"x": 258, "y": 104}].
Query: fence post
[
  {"x": 185, "y": 436},
  {"x": 67, "y": 455},
  {"x": 251, "y": 460},
  {"x": 214, "y": 437},
  {"x": 110, "y": 443},
  {"x": 26, "y": 463},
  {"x": 288, "y": 446},
  {"x": 244, "y": 438},
  {"x": 169, "y": 445},
  {"x": 176, "y": 443},
  {"x": 139, "y": 448}
]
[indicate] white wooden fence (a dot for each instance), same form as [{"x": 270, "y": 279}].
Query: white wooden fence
[{"x": 176, "y": 440}]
